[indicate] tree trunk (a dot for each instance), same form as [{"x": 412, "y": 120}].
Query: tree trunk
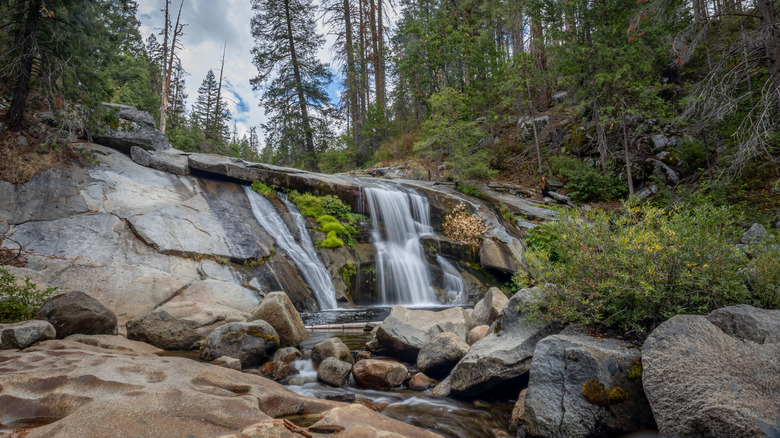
[
  {"x": 538, "y": 50},
  {"x": 533, "y": 124},
  {"x": 166, "y": 89},
  {"x": 217, "y": 111},
  {"x": 380, "y": 58},
  {"x": 22, "y": 87},
  {"x": 629, "y": 177},
  {"x": 767, "y": 10},
  {"x": 311, "y": 158},
  {"x": 352, "y": 84}
]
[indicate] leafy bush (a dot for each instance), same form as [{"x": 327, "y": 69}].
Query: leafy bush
[
  {"x": 469, "y": 189},
  {"x": 460, "y": 226},
  {"x": 20, "y": 303},
  {"x": 634, "y": 269},
  {"x": 585, "y": 182},
  {"x": 263, "y": 189}
]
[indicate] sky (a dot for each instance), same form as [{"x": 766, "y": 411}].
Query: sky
[{"x": 210, "y": 25}]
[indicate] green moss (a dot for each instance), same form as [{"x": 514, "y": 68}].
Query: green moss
[
  {"x": 595, "y": 393},
  {"x": 326, "y": 219},
  {"x": 335, "y": 227},
  {"x": 308, "y": 204},
  {"x": 263, "y": 189},
  {"x": 635, "y": 372},
  {"x": 331, "y": 241},
  {"x": 617, "y": 395}
]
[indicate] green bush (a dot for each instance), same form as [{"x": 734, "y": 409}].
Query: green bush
[
  {"x": 331, "y": 241},
  {"x": 585, "y": 182},
  {"x": 263, "y": 189},
  {"x": 20, "y": 303},
  {"x": 634, "y": 269}
]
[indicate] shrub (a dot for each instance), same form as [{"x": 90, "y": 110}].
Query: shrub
[
  {"x": 461, "y": 226},
  {"x": 20, "y": 303},
  {"x": 585, "y": 182},
  {"x": 632, "y": 270},
  {"x": 263, "y": 189}
]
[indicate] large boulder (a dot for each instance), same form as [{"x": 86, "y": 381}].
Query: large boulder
[
  {"x": 24, "y": 334},
  {"x": 498, "y": 361},
  {"x": 334, "y": 372},
  {"x": 277, "y": 309},
  {"x": 78, "y": 390},
  {"x": 404, "y": 332},
  {"x": 704, "y": 382},
  {"x": 497, "y": 255},
  {"x": 180, "y": 325},
  {"x": 486, "y": 311},
  {"x": 439, "y": 355},
  {"x": 249, "y": 342},
  {"x": 379, "y": 374},
  {"x": 332, "y": 347},
  {"x": 581, "y": 387},
  {"x": 76, "y": 312},
  {"x": 748, "y": 323},
  {"x": 133, "y": 128}
]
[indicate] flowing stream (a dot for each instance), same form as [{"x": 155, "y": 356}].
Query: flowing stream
[
  {"x": 452, "y": 281},
  {"x": 399, "y": 219},
  {"x": 302, "y": 254}
]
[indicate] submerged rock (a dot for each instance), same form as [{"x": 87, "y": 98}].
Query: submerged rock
[
  {"x": 439, "y": 355},
  {"x": 277, "y": 309},
  {"x": 379, "y": 374},
  {"x": 249, "y": 342},
  {"x": 76, "y": 312},
  {"x": 581, "y": 387},
  {"x": 24, "y": 334},
  {"x": 702, "y": 381}
]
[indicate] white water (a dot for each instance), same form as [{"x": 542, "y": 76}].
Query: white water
[
  {"x": 452, "y": 281},
  {"x": 402, "y": 273},
  {"x": 302, "y": 254}
]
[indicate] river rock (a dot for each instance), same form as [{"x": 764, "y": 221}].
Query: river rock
[
  {"x": 580, "y": 387},
  {"x": 477, "y": 333},
  {"x": 503, "y": 356},
  {"x": 287, "y": 354},
  {"x": 754, "y": 234},
  {"x": 488, "y": 308},
  {"x": 404, "y": 332},
  {"x": 332, "y": 347},
  {"x": 249, "y": 342},
  {"x": 167, "y": 162},
  {"x": 178, "y": 326},
  {"x": 278, "y": 370},
  {"x": 117, "y": 343},
  {"x": 24, "y": 334},
  {"x": 443, "y": 388},
  {"x": 379, "y": 374},
  {"x": 227, "y": 362},
  {"x": 439, "y": 355},
  {"x": 518, "y": 412},
  {"x": 334, "y": 372},
  {"x": 277, "y": 309},
  {"x": 748, "y": 323},
  {"x": 76, "y": 312},
  {"x": 154, "y": 396},
  {"x": 421, "y": 382},
  {"x": 497, "y": 255},
  {"x": 701, "y": 381}
]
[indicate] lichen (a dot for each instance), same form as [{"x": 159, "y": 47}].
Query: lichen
[
  {"x": 617, "y": 395},
  {"x": 596, "y": 393}
]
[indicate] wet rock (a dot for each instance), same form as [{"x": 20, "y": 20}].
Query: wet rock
[
  {"x": 477, "y": 333},
  {"x": 76, "y": 312},
  {"x": 333, "y": 347},
  {"x": 287, "y": 354},
  {"x": 379, "y": 374},
  {"x": 227, "y": 362},
  {"x": 701, "y": 381},
  {"x": 164, "y": 161},
  {"x": 444, "y": 246},
  {"x": 748, "y": 323},
  {"x": 580, "y": 386},
  {"x": 364, "y": 354},
  {"x": 496, "y": 255},
  {"x": 117, "y": 343},
  {"x": 249, "y": 342},
  {"x": 278, "y": 370},
  {"x": 277, "y": 310},
  {"x": 24, "y": 334},
  {"x": 404, "y": 332},
  {"x": 754, "y": 234},
  {"x": 439, "y": 355},
  {"x": 503, "y": 356},
  {"x": 421, "y": 382},
  {"x": 444, "y": 388},
  {"x": 334, "y": 372},
  {"x": 488, "y": 308},
  {"x": 133, "y": 129},
  {"x": 177, "y": 326}
]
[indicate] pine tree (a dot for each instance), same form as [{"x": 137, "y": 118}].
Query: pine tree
[{"x": 204, "y": 114}]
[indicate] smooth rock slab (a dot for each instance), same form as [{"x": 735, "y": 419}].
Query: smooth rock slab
[
  {"x": 555, "y": 404},
  {"x": 166, "y": 162},
  {"x": 379, "y": 374},
  {"x": 24, "y": 334},
  {"x": 75, "y": 312},
  {"x": 249, "y": 342},
  {"x": 117, "y": 343},
  {"x": 277, "y": 309},
  {"x": 702, "y": 382}
]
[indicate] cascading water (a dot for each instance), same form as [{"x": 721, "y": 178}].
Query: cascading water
[
  {"x": 302, "y": 254},
  {"x": 452, "y": 281},
  {"x": 399, "y": 220}
]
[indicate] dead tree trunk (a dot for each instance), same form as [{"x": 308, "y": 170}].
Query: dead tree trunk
[{"x": 22, "y": 87}]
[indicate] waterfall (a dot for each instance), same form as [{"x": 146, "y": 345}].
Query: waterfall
[
  {"x": 303, "y": 254},
  {"x": 399, "y": 220},
  {"x": 452, "y": 281}
]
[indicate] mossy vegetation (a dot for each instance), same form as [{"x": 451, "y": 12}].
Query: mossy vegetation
[
  {"x": 335, "y": 218},
  {"x": 263, "y": 189},
  {"x": 331, "y": 241},
  {"x": 635, "y": 372},
  {"x": 596, "y": 393}
]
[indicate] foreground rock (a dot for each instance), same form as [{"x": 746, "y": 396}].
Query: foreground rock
[
  {"x": 379, "y": 374},
  {"x": 332, "y": 347},
  {"x": 277, "y": 309},
  {"x": 119, "y": 344},
  {"x": 703, "y": 382},
  {"x": 24, "y": 334},
  {"x": 278, "y": 370},
  {"x": 334, "y": 372},
  {"x": 76, "y": 312},
  {"x": 503, "y": 356},
  {"x": 748, "y": 323},
  {"x": 404, "y": 332},
  {"x": 582, "y": 387},
  {"x": 178, "y": 326},
  {"x": 486, "y": 311},
  {"x": 441, "y": 354},
  {"x": 153, "y": 396},
  {"x": 249, "y": 342}
]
